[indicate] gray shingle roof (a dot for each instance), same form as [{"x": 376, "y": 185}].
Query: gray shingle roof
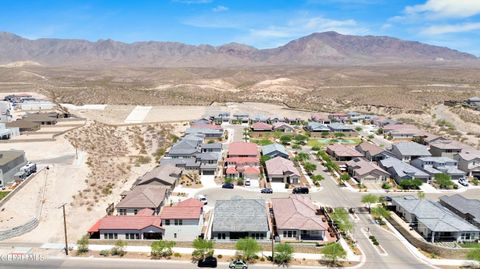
[
  {"x": 240, "y": 215},
  {"x": 411, "y": 149},
  {"x": 212, "y": 146},
  {"x": 315, "y": 126},
  {"x": 184, "y": 147},
  {"x": 402, "y": 169},
  {"x": 464, "y": 205},
  {"x": 433, "y": 215},
  {"x": 268, "y": 149}
]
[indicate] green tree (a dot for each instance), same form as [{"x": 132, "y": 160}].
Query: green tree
[
  {"x": 339, "y": 135},
  {"x": 300, "y": 138},
  {"x": 444, "y": 181},
  {"x": 228, "y": 180},
  {"x": 333, "y": 252},
  {"x": 283, "y": 253},
  {"x": 344, "y": 177},
  {"x": 162, "y": 248},
  {"x": 202, "y": 249},
  {"x": 264, "y": 159},
  {"x": 317, "y": 178},
  {"x": 302, "y": 157},
  {"x": 248, "y": 247},
  {"x": 82, "y": 245},
  {"x": 411, "y": 184},
  {"x": 380, "y": 212},
  {"x": 341, "y": 219},
  {"x": 369, "y": 199},
  {"x": 285, "y": 139},
  {"x": 309, "y": 167}
]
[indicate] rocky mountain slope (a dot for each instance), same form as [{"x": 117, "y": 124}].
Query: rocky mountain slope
[{"x": 328, "y": 48}]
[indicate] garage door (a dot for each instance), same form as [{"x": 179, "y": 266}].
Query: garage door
[{"x": 209, "y": 172}]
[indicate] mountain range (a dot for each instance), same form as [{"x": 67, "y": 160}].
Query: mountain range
[{"x": 317, "y": 49}]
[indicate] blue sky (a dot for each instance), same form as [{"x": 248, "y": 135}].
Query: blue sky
[{"x": 260, "y": 23}]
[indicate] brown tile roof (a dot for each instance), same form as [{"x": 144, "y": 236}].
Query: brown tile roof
[
  {"x": 344, "y": 150},
  {"x": 279, "y": 166},
  {"x": 262, "y": 126},
  {"x": 448, "y": 144},
  {"x": 363, "y": 167},
  {"x": 371, "y": 148},
  {"x": 144, "y": 196},
  {"x": 297, "y": 212},
  {"x": 129, "y": 222},
  {"x": 167, "y": 173}
]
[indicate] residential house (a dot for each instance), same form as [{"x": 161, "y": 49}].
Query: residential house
[
  {"x": 142, "y": 196},
  {"x": 24, "y": 125},
  {"x": 338, "y": 117},
  {"x": 439, "y": 165},
  {"x": 400, "y": 171},
  {"x": 341, "y": 152},
  {"x": 211, "y": 147},
  {"x": 41, "y": 118},
  {"x": 183, "y": 221},
  {"x": 283, "y": 127},
  {"x": 240, "y": 218},
  {"x": 467, "y": 209},
  {"x": 381, "y": 121},
  {"x": 363, "y": 170},
  {"x": 7, "y": 133},
  {"x": 163, "y": 175},
  {"x": 282, "y": 170},
  {"x": 10, "y": 163},
  {"x": 446, "y": 148},
  {"x": 469, "y": 162},
  {"x": 296, "y": 218},
  {"x": 317, "y": 127},
  {"x": 274, "y": 150},
  {"x": 433, "y": 221},
  {"x": 184, "y": 148},
  {"x": 320, "y": 118},
  {"x": 408, "y": 151},
  {"x": 371, "y": 151},
  {"x": 242, "y": 160},
  {"x": 207, "y": 131},
  {"x": 401, "y": 131},
  {"x": 241, "y": 117},
  {"x": 293, "y": 120},
  {"x": 261, "y": 127},
  {"x": 338, "y": 127},
  {"x": 260, "y": 118},
  {"x": 208, "y": 162},
  {"x": 142, "y": 226}
]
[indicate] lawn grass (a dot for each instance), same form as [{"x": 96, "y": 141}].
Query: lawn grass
[
  {"x": 3, "y": 194},
  {"x": 315, "y": 142},
  {"x": 261, "y": 142},
  {"x": 470, "y": 245}
]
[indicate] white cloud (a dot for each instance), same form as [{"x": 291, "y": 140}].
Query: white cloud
[
  {"x": 450, "y": 28},
  {"x": 446, "y": 8},
  {"x": 220, "y": 9}
]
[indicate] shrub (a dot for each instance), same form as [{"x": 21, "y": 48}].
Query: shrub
[
  {"x": 104, "y": 252},
  {"x": 162, "y": 248},
  {"x": 386, "y": 186},
  {"x": 119, "y": 248},
  {"x": 219, "y": 256},
  {"x": 82, "y": 245}
]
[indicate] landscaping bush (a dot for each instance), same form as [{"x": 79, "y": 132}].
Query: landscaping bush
[
  {"x": 119, "y": 248},
  {"x": 386, "y": 186},
  {"x": 104, "y": 252},
  {"x": 82, "y": 245}
]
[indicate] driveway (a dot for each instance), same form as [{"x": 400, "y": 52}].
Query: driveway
[{"x": 208, "y": 181}]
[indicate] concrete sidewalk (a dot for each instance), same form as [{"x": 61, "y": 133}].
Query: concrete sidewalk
[{"x": 226, "y": 252}]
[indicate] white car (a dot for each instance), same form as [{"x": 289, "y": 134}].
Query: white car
[
  {"x": 463, "y": 182},
  {"x": 247, "y": 182},
  {"x": 202, "y": 198}
]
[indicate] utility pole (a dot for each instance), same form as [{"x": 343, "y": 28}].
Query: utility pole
[
  {"x": 273, "y": 248},
  {"x": 65, "y": 229}
]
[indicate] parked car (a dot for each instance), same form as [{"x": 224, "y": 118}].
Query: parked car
[
  {"x": 300, "y": 190},
  {"x": 202, "y": 198},
  {"x": 266, "y": 190},
  {"x": 247, "y": 182},
  {"x": 228, "y": 186},
  {"x": 238, "y": 264},
  {"x": 208, "y": 262},
  {"x": 463, "y": 182}
]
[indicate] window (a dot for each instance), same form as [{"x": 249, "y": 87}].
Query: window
[
  {"x": 110, "y": 236},
  {"x": 284, "y": 233},
  {"x": 167, "y": 222},
  {"x": 122, "y": 211},
  {"x": 135, "y": 211},
  {"x": 289, "y": 233},
  {"x": 178, "y": 222},
  {"x": 294, "y": 233},
  {"x": 132, "y": 236},
  {"x": 175, "y": 235}
]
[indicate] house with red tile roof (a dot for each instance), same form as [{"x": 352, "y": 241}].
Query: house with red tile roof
[
  {"x": 261, "y": 127},
  {"x": 242, "y": 160},
  {"x": 182, "y": 221},
  {"x": 296, "y": 219},
  {"x": 143, "y": 226}
]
